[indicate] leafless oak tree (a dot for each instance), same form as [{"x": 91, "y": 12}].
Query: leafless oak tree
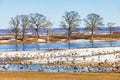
[
  {"x": 93, "y": 21},
  {"x": 37, "y": 21},
  {"x": 15, "y": 25},
  {"x": 70, "y": 22},
  {"x": 47, "y": 26},
  {"x": 111, "y": 29},
  {"x": 24, "y": 24}
]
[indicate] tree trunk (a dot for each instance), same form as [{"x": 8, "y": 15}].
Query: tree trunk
[
  {"x": 110, "y": 35},
  {"x": 92, "y": 34},
  {"x": 16, "y": 37},
  {"x": 23, "y": 36},
  {"x": 37, "y": 33},
  {"x": 16, "y": 34}
]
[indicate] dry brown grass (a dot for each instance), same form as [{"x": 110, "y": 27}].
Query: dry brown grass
[
  {"x": 4, "y": 75},
  {"x": 56, "y": 38}
]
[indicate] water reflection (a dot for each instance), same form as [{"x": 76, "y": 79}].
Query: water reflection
[
  {"x": 53, "y": 68},
  {"x": 63, "y": 45}
]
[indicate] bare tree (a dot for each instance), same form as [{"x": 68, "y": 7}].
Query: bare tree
[
  {"x": 70, "y": 21},
  {"x": 93, "y": 21},
  {"x": 15, "y": 24},
  {"x": 111, "y": 29},
  {"x": 37, "y": 21},
  {"x": 24, "y": 24},
  {"x": 47, "y": 26}
]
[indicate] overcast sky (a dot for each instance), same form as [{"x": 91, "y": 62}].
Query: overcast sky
[{"x": 54, "y": 9}]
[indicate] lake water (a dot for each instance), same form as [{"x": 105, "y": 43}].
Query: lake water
[
  {"x": 57, "y": 45},
  {"x": 46, "y": 68}
]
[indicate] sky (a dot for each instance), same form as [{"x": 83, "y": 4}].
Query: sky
[{"x": 54, "y": 10}]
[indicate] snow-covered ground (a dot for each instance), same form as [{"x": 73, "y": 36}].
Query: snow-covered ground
[{"x": 110, "y": 54}]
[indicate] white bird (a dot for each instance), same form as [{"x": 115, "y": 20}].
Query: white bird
[{"x": 6, "y": 66}]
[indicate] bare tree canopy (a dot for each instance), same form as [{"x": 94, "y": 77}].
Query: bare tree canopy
[
  {"x": 15, "y": 24},
  {"x": 47, "y": 26},
  {"x": 70, "y": 21},
  {"x": 110, "y": 26},
  {"x": 24, "y": 24},
  {"x": 93, "y": 21},
  {"x": 37, "y": 21},
  {"x": 111, "y": 29}
]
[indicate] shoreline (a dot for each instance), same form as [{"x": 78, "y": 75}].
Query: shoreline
[{"x": 62, "y": 41}]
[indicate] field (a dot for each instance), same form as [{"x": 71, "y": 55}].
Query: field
[{"x": 5, "y": 75}]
